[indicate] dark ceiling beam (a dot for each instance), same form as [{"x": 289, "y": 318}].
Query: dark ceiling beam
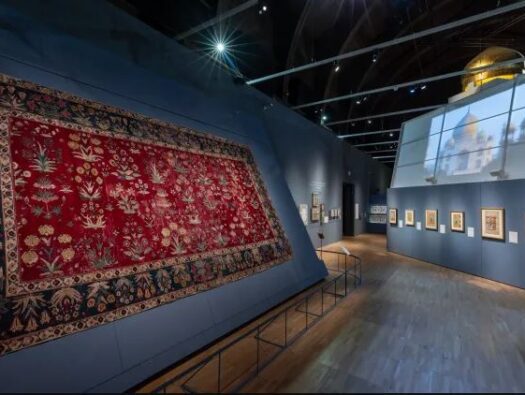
[
  {"x": 352, "y": 135},
  {"x": 412, "y": 83},
  {"x": 406, "y": 60},
  {"x": 378, "y": 143},
  {"x": 219, "y": 18},
  {"x": 353, "y": 39},
  {"x": 397, "y": 41},
  {"x": 386, "y": 114}
]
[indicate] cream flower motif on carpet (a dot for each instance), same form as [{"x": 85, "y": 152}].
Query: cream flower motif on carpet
[
  {"x": 68, "y": 254},
  {"x": 64, "y": 238},
  {"x": 46, "y": 230},
  {"x": 29, "y": 257},
  {"x": 31, "y": 241}
]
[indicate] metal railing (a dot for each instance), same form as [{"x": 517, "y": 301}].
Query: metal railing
[{"x": 232, "y": 366}]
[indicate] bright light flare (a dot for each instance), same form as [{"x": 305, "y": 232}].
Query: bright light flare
[{"x": 220, "y": 47}]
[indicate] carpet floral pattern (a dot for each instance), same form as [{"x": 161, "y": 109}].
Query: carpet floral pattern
[{"x": 108, "y": 213}]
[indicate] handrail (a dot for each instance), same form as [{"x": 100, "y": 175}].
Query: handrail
[{"x": 354, "y": 272}]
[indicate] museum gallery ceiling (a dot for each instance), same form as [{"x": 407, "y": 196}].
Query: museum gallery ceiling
[
  {"x": 272, "y": 36},
  {"x": 107, "y": 213}
]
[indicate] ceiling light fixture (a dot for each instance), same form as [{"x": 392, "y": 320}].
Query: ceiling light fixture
[
  {"x": 220, "y": 47},
  {"x": 337, "y": 68}
]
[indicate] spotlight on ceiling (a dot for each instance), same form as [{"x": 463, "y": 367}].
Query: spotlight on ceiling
[
  {"x": 369, "y": 121},
  {"x": 412, "y": 90},
  {"x": 374, "y": 57},
  {"x": 358, "y": 102},
  {"x": 337, "y": 68},
  {"x": 324, "y": 118},
  {"x": 220, "y": 47},
  {"x": 423, "y": 87},
  {"x": 391, "y": 134}
]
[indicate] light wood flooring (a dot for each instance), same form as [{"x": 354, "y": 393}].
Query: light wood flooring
[{"x": 411, "y": 327}]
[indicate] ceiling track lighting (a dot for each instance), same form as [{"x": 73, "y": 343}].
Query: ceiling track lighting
[
  {"x": 263, "y": 9},
  {"x": 400, "y": 40}
]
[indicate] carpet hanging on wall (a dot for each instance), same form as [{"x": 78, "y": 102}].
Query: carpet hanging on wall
[{"x": 107, "y": 213}]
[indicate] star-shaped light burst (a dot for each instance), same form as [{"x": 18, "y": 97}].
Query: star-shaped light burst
[{"x": 221, "y": 47}]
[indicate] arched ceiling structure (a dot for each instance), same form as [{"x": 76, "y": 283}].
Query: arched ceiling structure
[{"x": 291, "y": 33}]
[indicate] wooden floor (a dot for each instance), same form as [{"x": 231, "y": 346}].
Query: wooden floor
[{"x": 411, "y": 327}]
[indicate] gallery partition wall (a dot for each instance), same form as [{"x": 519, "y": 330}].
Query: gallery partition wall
[{"x": 465, "y": 161}]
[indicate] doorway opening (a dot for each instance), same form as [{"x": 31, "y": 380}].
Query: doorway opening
[{"x": 348, "y": 209}]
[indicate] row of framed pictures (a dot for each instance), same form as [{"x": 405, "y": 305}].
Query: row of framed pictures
[
  {"x": 377, "y": 214},
  {"x": 492, "y": 221}
]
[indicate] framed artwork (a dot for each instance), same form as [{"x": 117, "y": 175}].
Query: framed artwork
[
  {"x": 377, "y": 219},
  {"x": 315, "y": 214},
  {"x": 303, "y": 212},
  {"x": 493, "y": 223},
  {"x": 377, "y": 209},
  {"x": 409, "y": 217},
  {"x": 392, "y": 216},
  {"x": 431, "y": 219},
  {"x": 457, "y": 221},
  {"x": 316, "y": 201}
]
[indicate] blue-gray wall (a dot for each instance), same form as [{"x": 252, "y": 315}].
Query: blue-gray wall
[
  {"x": 314, "y": 160},
  {"x": 495, "y": 260},
  {"x": 91, "y": 49}
]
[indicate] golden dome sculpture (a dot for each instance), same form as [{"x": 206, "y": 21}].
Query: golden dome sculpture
[{"x": 490, "y": 56}]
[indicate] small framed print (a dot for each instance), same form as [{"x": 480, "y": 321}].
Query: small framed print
[
  {"x": 315, "y": 199},
  {"x": 410, "y": 217},
  {"x": 392, "y": 216},
  {"x": 431, "y": 219},
  {"x": 457, "y": 221},
  {"x": 493, "y": 223},
  {"x": 315, "y": 214}
]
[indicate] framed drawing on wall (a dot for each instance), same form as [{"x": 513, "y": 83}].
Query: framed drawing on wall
[
  {"x": 409, "y": 217},
  {"x": 392, "y": 216},
  {"x": 431, "y": 219},
  {"x": 457, "y": 221},
  {"x": 315, "y": 214},
  {"x": 493, "y": 223},
  {"x": 315, "y": 199}
]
